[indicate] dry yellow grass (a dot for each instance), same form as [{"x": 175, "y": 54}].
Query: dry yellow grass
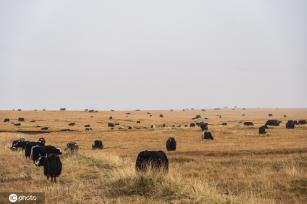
[{"x": 237, "y": 167}]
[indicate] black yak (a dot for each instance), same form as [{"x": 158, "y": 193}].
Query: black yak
[
  {"x": 72, "y": 147},
  {"x": 272, "y": 123},
  {"x": 97, "y": 144},
  {"x": 248, "y": 123},
  {"x": 52, "y": 166},
  {"x": 290, "y": 124},
  {"x": 151, "y": 160},
  {"x": 38, "y": 151},
  {"x": 208, "y": 136},
  {"x": 171, "y": 144},
  {"x": 203, "y": 126},
  {"x": 262, "y": 130}
]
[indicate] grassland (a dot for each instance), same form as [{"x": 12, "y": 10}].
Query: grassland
[{"x": 239, "y": 166}]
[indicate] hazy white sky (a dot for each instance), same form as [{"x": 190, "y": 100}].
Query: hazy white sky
[{"x": 153, "y": 54}]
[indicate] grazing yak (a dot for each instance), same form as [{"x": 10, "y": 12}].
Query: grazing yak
[
  {"x": 6, "y": 120},
  {"x": 272, "y": 123},
  {"x": 72, "y": 147},
  {"x": 16, "y": 144},
  {"x": 196, "y": 117},
  {"x": 87, "y": 126},
  {"x": 29, "y": 146},
  {"x": 38, "y": 151},
  {"x": 97, "y": 144},
  {"x": 302, "y": 122},
  {"x": 156, "y": 160},
  {"x": 62, "y": 109},
  {"x": 290, "y": 124},
  {"x": 21, "y": 119},
  {"x": 203, "y": 126},
  {"x": 208, "y": 136},
  {"x": 21, "y": 144},
  {"x": 71, "y": 124},
  {"x": 111, "y": 125},
  {"x": 224, "y": 124},
  {"x": 161, "y": 115},
  {"x": 192, "y": 124},
  {"x": 248, "y": 123},
  {"x": 171, "y": 144},
  {"x": 52, "y": 166},
  {"x": 262, "y": 130}
]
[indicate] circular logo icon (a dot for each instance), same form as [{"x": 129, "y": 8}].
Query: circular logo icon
[{"x": 13, "y": 198}]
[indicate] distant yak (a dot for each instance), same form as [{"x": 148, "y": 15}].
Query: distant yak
[
  {"x": 72, "y": 147},
  {"x": 196, "y": 117},
  {"x": 97, "y": 144},
  {"x": 248, "y": 123},
  {"x": 208, "y": 136},
  {"x": 290, "y": 124},
  {"x": 262, "y": 130},
  {"x": 171, "y": 144},
  {"x": 203, "y": 126},
  {"x": 111, "y": 125},
  {"x": 272, "y": 123}
]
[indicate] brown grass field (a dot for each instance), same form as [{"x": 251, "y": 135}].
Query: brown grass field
[{"x": 239, "y": 166}]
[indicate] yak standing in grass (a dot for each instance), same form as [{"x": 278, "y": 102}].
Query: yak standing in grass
[
  {"x": 16, "y": 144},
  {"x": 203, "y": 126},
  {"x": 302, "y": 122},
  {"x": 156, "y": 160},
  {"x": 19, "y": 145},
  {"x": 262, "y": 130},
  {"x": 52, "y": 167},
  {"x": 272, "y": 123},
  {"x": 290, "y": 124},
  {"x": 72, "y": 147},
  {"x": 248, "y": 123},
  {"x": 208, "y": 136},
  {"x": 171, "y": 144},
  {"x": 29, "y": 145},
  {"x": 111, "y": 125},
  {"x": 97, "y": 144},
  {"x": 38, "y": 151}
]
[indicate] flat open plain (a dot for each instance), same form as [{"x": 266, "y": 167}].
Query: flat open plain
[{"x": 238, "y": 166}]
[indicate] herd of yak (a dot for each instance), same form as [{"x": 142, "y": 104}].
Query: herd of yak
[{"x": 48, "y": 156}]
